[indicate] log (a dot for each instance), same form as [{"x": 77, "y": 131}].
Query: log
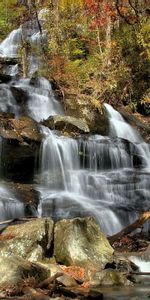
[
  {"x": 17, "y": 220},
  {"x": 31, "y": 293},
  {"x": 140, "y": 273},
  {"x": 130, "y": 228},
  {"x": 49, "y": 280}
]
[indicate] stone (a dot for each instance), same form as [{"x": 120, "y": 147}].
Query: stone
[
  {"x": 30, "y": 240},
  {"x": 146, "y": 254},
  {"x": 110, "y": 277},
  {"x": 27, "y": 194},
  {"x": 140, "y": 123},
  {"x": 23, "y": 129},
  {"x": 81, "y": 242},
  {"x": 67, "y": 124},
  {"x": 84, "y": 107},
  {"x": 66, "y": 279},
  {"x": 5, "y": 78},
  {"x": 20, "y": 147},
  {"x": 13, "y": 269}
]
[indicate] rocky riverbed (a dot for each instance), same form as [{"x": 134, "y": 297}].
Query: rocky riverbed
[{"x": 63, "y": 260}]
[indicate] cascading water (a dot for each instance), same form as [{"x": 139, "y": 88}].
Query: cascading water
[
  {"x": 41, "y": 101},
  {"x": 107, "y": 177},
  {"x": 91, "y": 177},
  {"x": 9, "y": 47},
  {"x": 119, "y": 128}
]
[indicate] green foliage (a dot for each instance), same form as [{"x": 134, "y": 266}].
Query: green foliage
[
  {"x": 111, "y": 60},
  {"x": 10, "y": 13}
]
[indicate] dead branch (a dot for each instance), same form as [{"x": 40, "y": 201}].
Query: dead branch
[
  {"x": 49, "y": 280},
  {"x": 130, "y": 228},
  {"x": 17, "y": 220},
  {"x": 140, "y": 273}
]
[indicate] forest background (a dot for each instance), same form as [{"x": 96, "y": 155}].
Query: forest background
[{"x": 96, "y": 49}]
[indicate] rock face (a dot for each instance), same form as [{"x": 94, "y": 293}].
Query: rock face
[
  {"x": 82, "y": 107},
  {"x": 140, "y": 124},
  {"x": 144, "y": 105},
  {"x": 13, "y": 269},
  {"x": 27, "y": 194},
  {"x": 110, "y": 277},
  {"x": 67, "y": 124},
  {"x": 23, "y": 130},
  {"x": 81, "y": 242},
  {"x": 30, "y": 240},
  {"x": 20, "y": 146}
]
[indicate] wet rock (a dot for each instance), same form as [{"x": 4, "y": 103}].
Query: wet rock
[
  {"x": 7, "y": 65},
  {"x": 110, "y": 277},
  {"x": 146, "y": 254},
  {"x": 30, "y": 240},
  {"x": 4, "y": 78},
  {"x": 24, "y": 129},
  {"x": 27, "y": 194},
  {"x": 81, "y": 242},
  {"x": 8, "y": 60},
  {"x": 140, "y": 124},
  {"x": 67, "y": 124},
  {"x": 20, "y": 147},
  {"x": 20, "y": 95},
  {"x": 81, "y": 293},
  {"x": 13, "y": 269}
]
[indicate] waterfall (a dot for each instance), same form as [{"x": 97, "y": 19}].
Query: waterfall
[
  {"x": 95, "y": 176},
  {"x": 10, "y": 207},
  {"x": 41, "y": 101},
  {"x": 9, "y": 47},
  {"x": 120, "y": 128},
  {"x": 105, "y": 177}
]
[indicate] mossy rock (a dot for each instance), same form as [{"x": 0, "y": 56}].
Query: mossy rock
[
  {"x": 14, "y": 269},
  {"x": 30, "y": 240},
  {"x": 110, "y": 277}
]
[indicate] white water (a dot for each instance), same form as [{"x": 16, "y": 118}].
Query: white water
[
  {"x": 41, "y": 102},
  {"x": 10, "y": 206},
  {"x": 121, "y": 129},
  {"x": 9, "y": 47},
  {"x": 95, "y": 176},
  {"x": 7, "y": 100},
  {"x": 144, "y": 266}
]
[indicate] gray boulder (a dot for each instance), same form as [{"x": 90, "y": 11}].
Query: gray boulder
[
  {"x": 14, "y": 269},
  {"x": 30, "y": 240},
  {"x": 67, "y": 124},
  {"x": 81, "y": 242}
]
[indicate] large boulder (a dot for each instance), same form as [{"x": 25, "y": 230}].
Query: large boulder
[
  {"x": 86, "y": 107},
  {"x": 81, "y": 242},
  {"x": 14, "y": 269},
  {"x": 66, "y": 124},
  {"x": 23, "y": 129},
  {"x": 110, "y": 277},
  {"x": 30, "y": 240}
]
